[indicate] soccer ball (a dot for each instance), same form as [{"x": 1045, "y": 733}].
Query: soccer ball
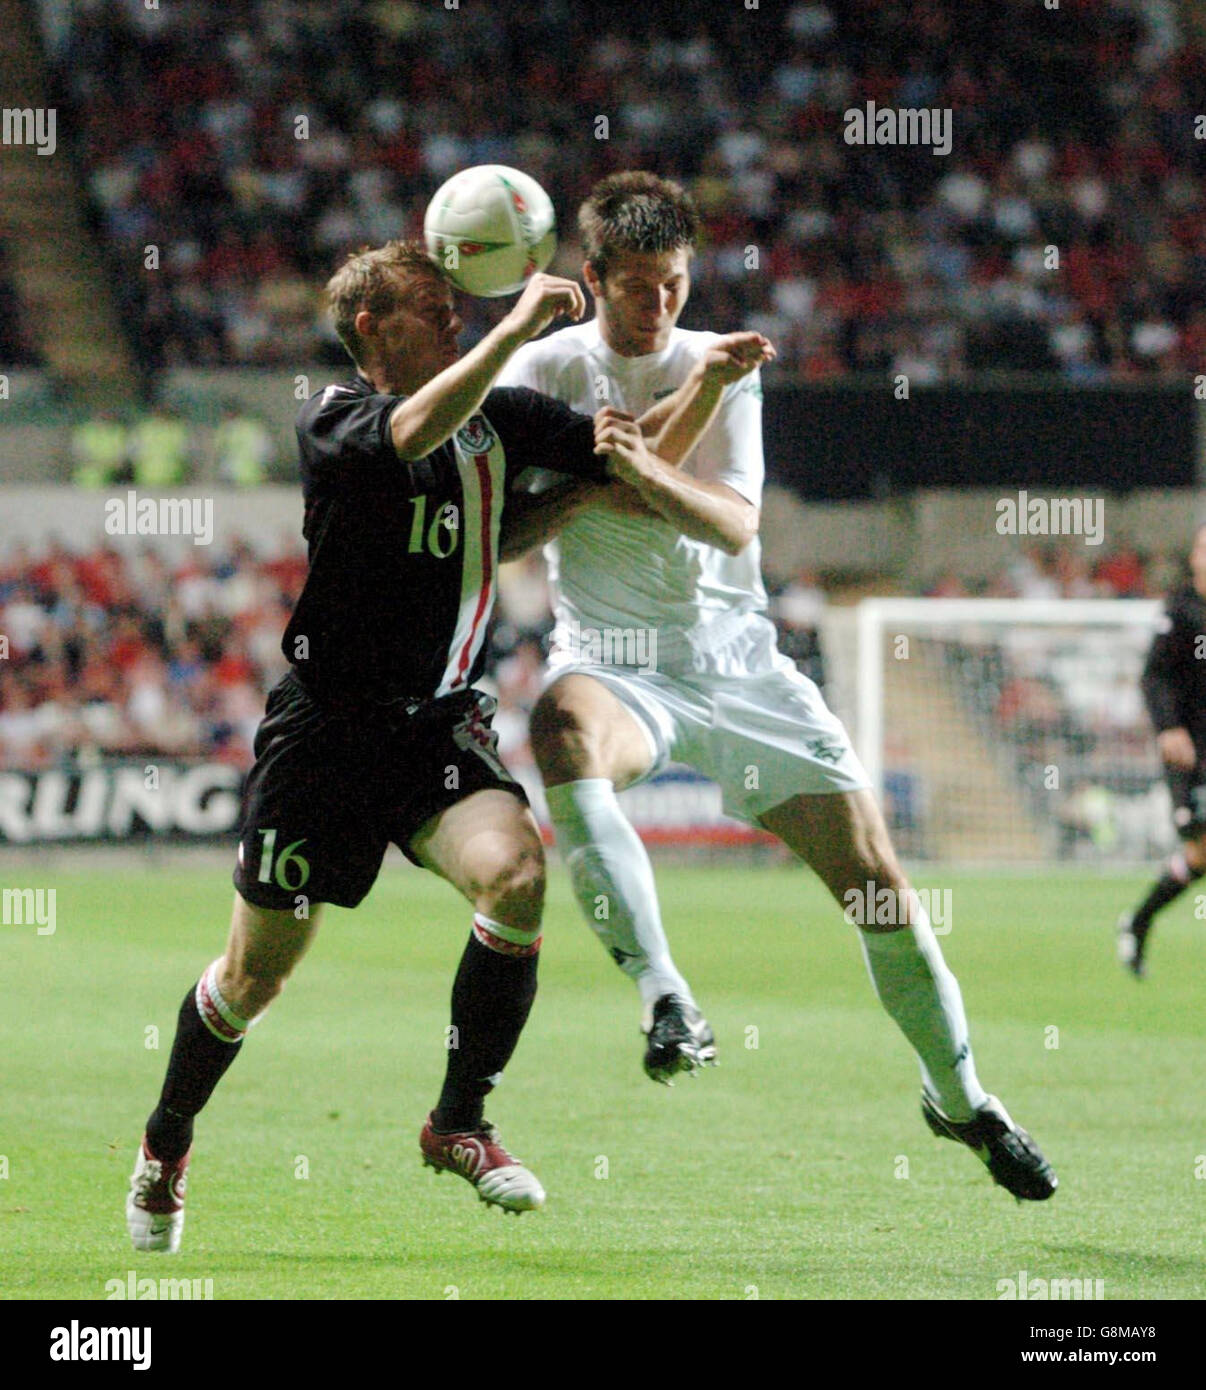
[{"x": 490, "y": 228}]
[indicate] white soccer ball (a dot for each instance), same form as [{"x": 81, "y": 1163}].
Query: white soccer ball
[{"x": 491, "y": 228}]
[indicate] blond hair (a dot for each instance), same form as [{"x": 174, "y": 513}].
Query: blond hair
[{"x": 374, "y": 278}]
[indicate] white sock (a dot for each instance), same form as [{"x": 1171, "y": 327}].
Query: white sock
[
  {"x": 613, "y": 882},
  {"x": 916, "y": 987},
  {"x": 216, "y": 1013}
]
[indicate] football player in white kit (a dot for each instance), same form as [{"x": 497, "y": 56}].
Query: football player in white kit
[{"x": 662, "y": 651}]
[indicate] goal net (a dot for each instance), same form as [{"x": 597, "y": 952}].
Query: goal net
[{"x": 1002, "y": 730}]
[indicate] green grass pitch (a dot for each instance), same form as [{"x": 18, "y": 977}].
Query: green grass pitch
[{"x": 799, "y": 1168}]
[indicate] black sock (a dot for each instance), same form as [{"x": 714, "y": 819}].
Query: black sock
[
  {"x": 1168, "y": 886},
  {"x": 491, "y": 998},
  {"x": 195, "y": 1067}
]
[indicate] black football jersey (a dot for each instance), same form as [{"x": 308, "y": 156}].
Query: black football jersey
[
  {"x": 404, "y": 555},
  {"x": 1174, "y": 678}
]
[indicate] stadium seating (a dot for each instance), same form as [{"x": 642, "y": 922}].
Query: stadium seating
[{"x": 899, "y": 261}]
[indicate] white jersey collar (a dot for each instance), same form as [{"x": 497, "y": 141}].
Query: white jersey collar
[{"x": 616, "y": 359}]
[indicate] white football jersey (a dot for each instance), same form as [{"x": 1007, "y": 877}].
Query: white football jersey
[{"x": 609, "y": 572}]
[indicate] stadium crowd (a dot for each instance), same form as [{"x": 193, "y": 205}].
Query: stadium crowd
[
  {"x": 1064, "y": 571},
  {"x": 116, "y": 652},
  {"x": 112, "y": 653},
  {"x": 255, "y": 142}
]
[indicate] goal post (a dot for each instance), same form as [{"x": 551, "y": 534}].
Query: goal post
[{"x": 1010, "y": 730}]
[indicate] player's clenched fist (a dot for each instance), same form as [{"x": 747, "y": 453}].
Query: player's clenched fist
[
  {"x": 545, "y": 297},
  {"x": 619, "y": 436},
  {"x": 735, "y": 355},
  {"x": 609, "y": 415}
]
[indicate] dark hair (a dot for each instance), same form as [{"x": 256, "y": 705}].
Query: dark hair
[{"x": 635, "y": 211}]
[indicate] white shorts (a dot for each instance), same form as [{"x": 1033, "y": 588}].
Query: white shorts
[{"x": 762, "y": 738}]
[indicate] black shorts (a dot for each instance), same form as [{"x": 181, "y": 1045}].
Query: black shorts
[
  {"x": 332, "y": 788},
  {"x": 1188, "y": 790}
]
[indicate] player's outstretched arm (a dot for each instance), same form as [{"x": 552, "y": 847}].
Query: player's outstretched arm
[
  {"x": 532, "y": 518},
  {"x": 710, "y": 512},
  {"x": 674, "y": 426},
  {"x": 439, "y": 408}
]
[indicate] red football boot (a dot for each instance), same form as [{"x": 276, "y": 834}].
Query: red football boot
[{"x": 479, "y": 1157}]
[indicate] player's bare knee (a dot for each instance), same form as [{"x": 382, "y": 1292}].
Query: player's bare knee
[
  {"x": 1195, "y": 853},
  {"x": 564, "y": 743},
  {"x": 514, "y": 892}
]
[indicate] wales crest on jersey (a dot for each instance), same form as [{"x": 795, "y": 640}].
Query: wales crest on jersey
[{"x": 476, "y": 435}]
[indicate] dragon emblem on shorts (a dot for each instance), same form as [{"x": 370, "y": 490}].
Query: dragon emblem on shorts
[{"x": 825, "y": 751}]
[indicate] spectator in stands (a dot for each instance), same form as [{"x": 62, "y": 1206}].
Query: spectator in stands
[
  {"x": 105, "y": 657},
  {"x": 869, "y": 258},
  {"x": 1032, "y": 574},
  {"x": 948, "y": 585},
  {"x": 116, "y": 651},
  {"x": 1120, "y": 573},
  {"x": 1071, "y": 573}
]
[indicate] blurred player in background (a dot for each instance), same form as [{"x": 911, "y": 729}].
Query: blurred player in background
[
  {"x": 720, "y": 696},
  {"x": 1174, "y": 689},
  {"x": 376, "y": 734}
]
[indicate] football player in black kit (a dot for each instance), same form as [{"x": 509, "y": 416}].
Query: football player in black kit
[
  {"x": 376, "y": 734},
  {"x": 1174, "y": 688}
]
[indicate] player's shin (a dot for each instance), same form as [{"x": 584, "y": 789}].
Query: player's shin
[
  {"x": 613, "y": 882},
  {"x": 1177, "y": 876},
  {"x": 917, "y": 988},
  {"x": 209, "y": 1035},
  {"x": 491, "y": 999}
]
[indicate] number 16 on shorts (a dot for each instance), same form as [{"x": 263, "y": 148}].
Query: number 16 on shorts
[{"x": 289, "y": 871}]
